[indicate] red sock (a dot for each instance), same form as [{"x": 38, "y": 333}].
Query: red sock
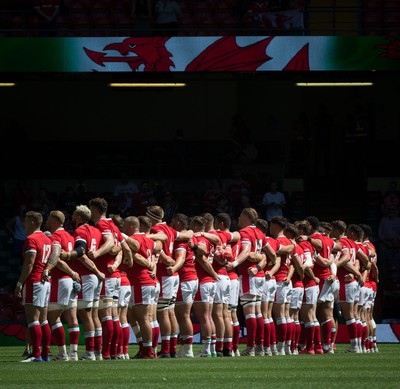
[
  {"x": 309, "y": 329},
  {"x": 89, "y": 341},
  {"x": 174, "y": 343},
  {"x": 125, "y": 338},
  {"x": 297, "y": 331},
  {"x": 219, "y": 345},
  {"x": 364, "y": 335},
  {"x": 108, "y": 330},
  {"x": 289, "y": 331},
  {"x": 165, "y": 344},
  {"x": 116, "y": 335},
  {"x": 281, "y": 329},
  {"x": 74, "y": 332},
  {"x": 98, "y": 339},
  {"x": 317, "y": 336},
  {"x": 235, "y": 336},
  {"x": 352, "y": 328},
  {"x": 58, "y": 333},
  {"x": 155, "y": 332},
  {"x": 267, "y": 334},
  {"x": 273, "y": 332},
  {"x": 326, "y": 330},
  {"x": 36, "y": 338},
  {"x": 260, "y": 330},
  {"x": 46, "y": 338},
  {"x": 251, "y": 327}
]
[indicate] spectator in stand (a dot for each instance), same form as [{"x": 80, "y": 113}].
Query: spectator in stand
[
  {"x": 142, "y": 13},
  {"x": 391, "y": 198},
  {"x": 170, "y": 206},
  {"x": 212, "y": 195},
  {"x": 22, "y": 194},
  {"x": 68, "y": 200},
  {"x": 17, "y": 230},
  {"x": 274, "y": 201},
  {"x": 47, "y": 10},
  {"x": 122, "y": 208},
  {"x": 389, "y": 236},
  {"x": 143, "y": 198},
  {"x": 126, "y": 188},
  {"x": 255, "y": 16},
  {"x": 43, "y": 202},
  {"x": 167, "y": 13},
  {"x": 277, "y": 5}
]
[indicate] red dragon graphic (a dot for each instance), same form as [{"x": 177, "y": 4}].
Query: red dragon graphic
[
  {"x": 392, "y": 49},
  {"x": 222, "y": 55}
]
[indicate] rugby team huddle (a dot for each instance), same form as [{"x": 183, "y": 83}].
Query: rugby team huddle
[{"x": 113, "y": 275}]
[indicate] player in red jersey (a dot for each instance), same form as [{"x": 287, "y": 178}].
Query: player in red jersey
[
  {"x": 105, "y": 259},
  {"x": 234, "y": 299},
  {"x": 221, "y": 312},
  {"x": 366, "y": 292},
  {"x": 374, "y": 280},
  {"x": 221, "y": 286},
  {"x": 324, "y": 270},
  {"x": 250, "y": 263},
  {"x": 269, "y": 289},
  {"x": 86, "y": 237},
  {"x": 283, "y": 284},
  {"x": 188, "y": 285},
  {"x": 311, "y": 334},
  {"x": 169, "y": 284},
  {"x": 124, "y": 297},
  {"x": 143, "y": 282},
  {"x": 355, "y": 233},
  {"x": 350, "y": 280},
  {"x": 204, "y": 245},
  {"x": 35, "y": 293},
  {"x": 63, "y": 295},
  {"x": 145, "y": 225},
  {"x": 298, "y": 260}
]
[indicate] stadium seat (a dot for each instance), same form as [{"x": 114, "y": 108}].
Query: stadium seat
[
  {"x": 103, "y": 23},
  {"x": 187, "y": 21},
  {"x": 206, "y": 21},
  {"x": 16, "y": 25},
  {"x": 99, "y": 6},
  {"x": 186, "y": 6},
  {"x": 120, "y": 6},
  {"x": 123, "y": 23},
  {"x": 82, "y": 24},
  {"x": 373, "y": 21},
  {"x": 222, "y": 6},
  {"x": 63, "y": 25},
  {"x": 392, "y": 22},
  {"x": 202, "y": 6},
  {"x": 392, "y": 5},
  {"x": 75, "y": 6},
  {"x": 374, "y": 5},
  {"x": 33, "y": 22}
]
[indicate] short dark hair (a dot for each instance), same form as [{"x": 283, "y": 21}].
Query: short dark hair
[
  {"x": 367, "y": 230},
  {"x": 291, "y": 230},
  {"x": 279, "y": 220},
  {"x": 339, "y": 225},
  {"x": 182, "y": 218},
  {"x": 224, "y": 218},
  {"x": 99, "y": 203},
  {"x": 314, "y": 222},
  {"x": 198, "y": 221},
  {"x": 262, "y": 225}
]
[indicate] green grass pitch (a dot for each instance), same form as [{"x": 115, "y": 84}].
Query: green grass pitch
[{"x": 341, "y": 370}]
